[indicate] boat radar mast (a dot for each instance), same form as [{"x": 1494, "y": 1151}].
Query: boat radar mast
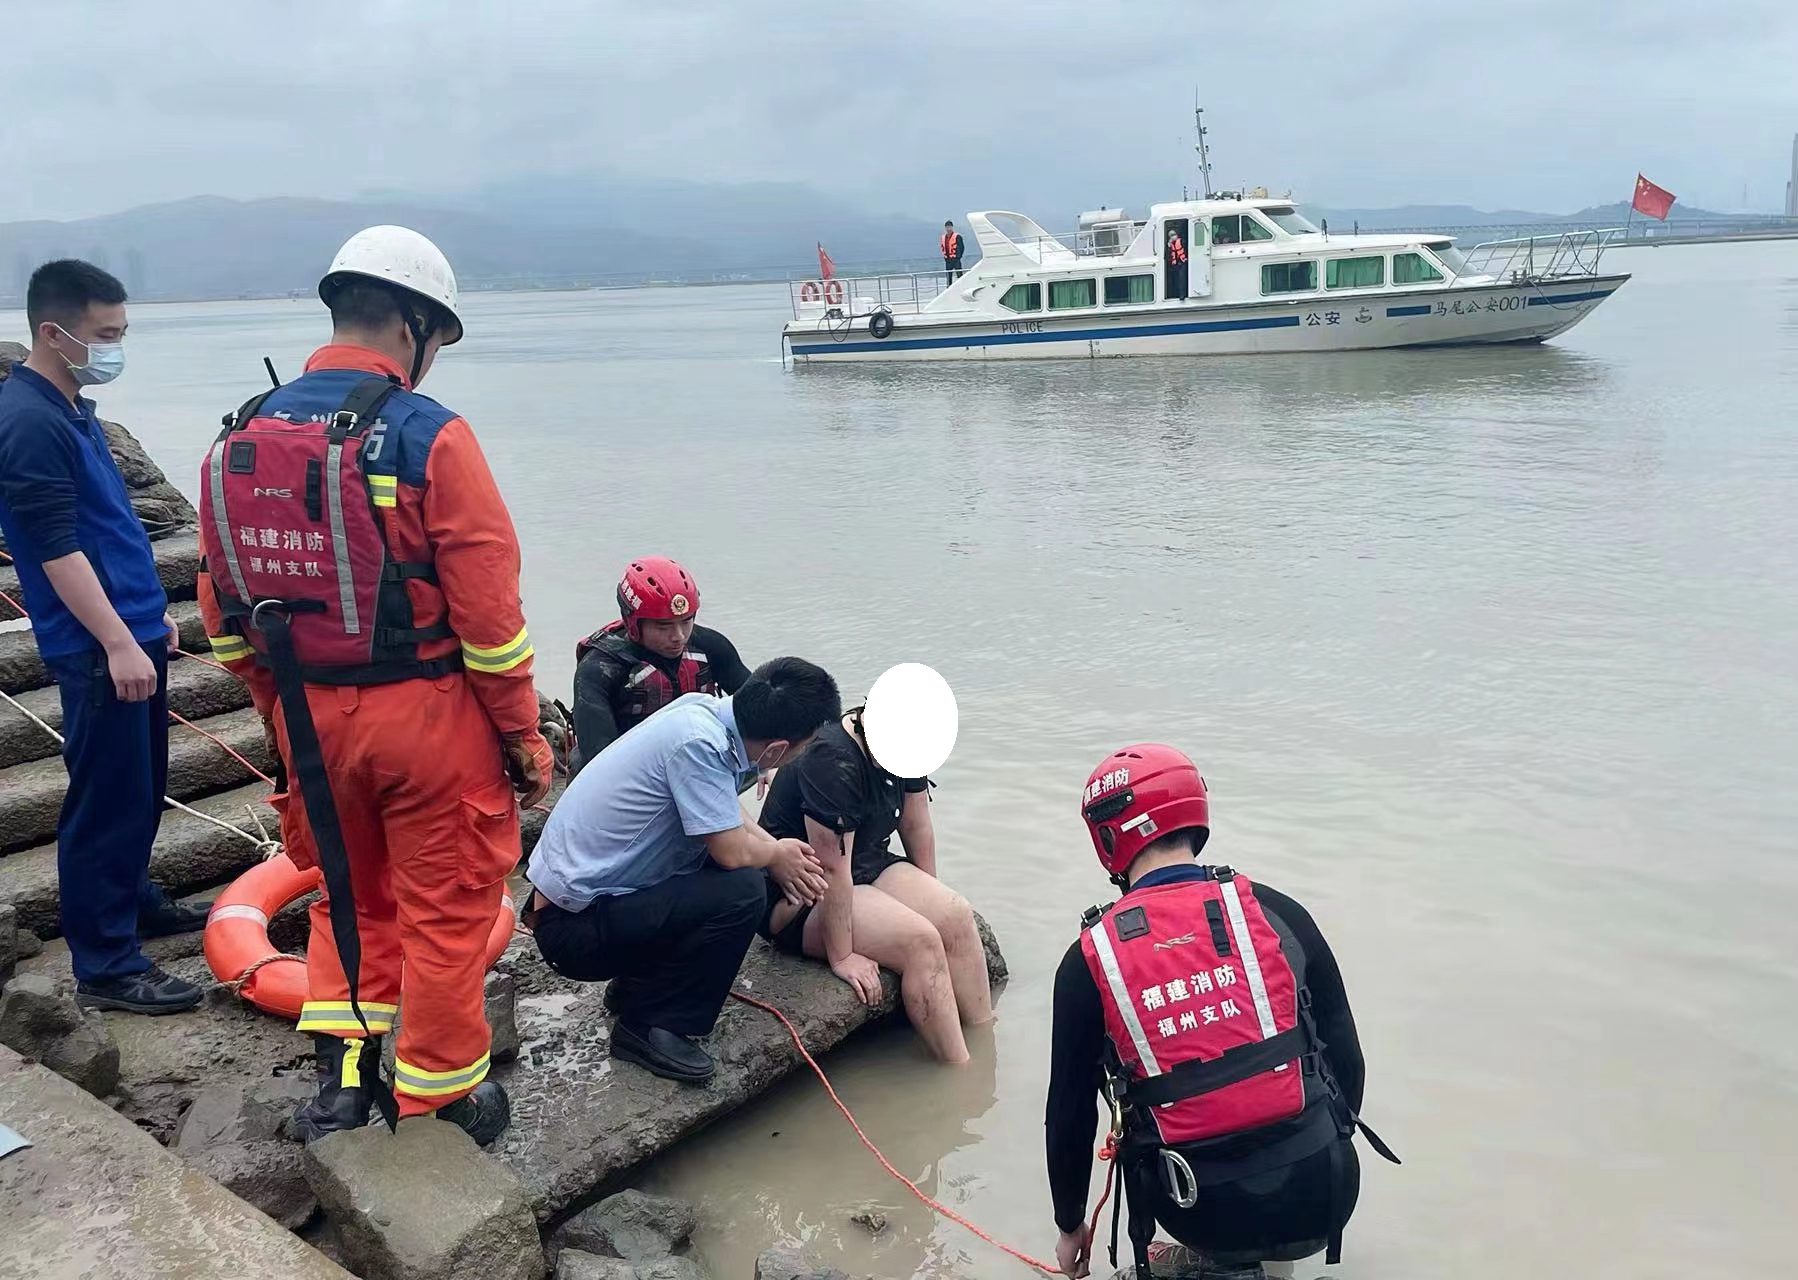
[{"x": 1198, "y": 119}]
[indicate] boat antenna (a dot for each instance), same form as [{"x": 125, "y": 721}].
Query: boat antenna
[{"x": 1198, "y": 119}]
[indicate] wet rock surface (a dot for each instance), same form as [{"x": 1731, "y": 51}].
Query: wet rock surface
[
  {"x": 9, "y": 941},
  {"x": 233, "y": 1134},
  {"x": 423, "y": 1204},
  {"x": 783, "y": 1262},
  {"x": 39, "y": 1019},
  {"x": 575, "y": 1264},
  {"x": 501, "y": 995},
  {"x": 94, "y": 1196},
  {"x": 631, "y": 1225}
]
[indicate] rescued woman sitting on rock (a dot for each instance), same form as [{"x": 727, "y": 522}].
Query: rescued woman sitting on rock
[{"x": 863, "y": 778}]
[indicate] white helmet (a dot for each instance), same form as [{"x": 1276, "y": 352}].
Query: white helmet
[{"x": 398, "y": 256}]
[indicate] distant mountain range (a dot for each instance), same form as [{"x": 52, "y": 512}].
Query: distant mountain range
[{"x": 564, "y": 231}]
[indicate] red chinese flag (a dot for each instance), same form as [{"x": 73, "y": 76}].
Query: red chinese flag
[
  {"x": 827, "y": 268},
  {"x": 1651, "y": 200}
]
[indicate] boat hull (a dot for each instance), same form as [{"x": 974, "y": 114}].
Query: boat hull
[{"x": 1500, "y": 313}]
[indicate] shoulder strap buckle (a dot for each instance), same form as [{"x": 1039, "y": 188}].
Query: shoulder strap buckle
[{"x": 1093, "y": 914}]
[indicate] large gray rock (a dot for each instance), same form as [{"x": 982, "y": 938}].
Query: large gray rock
[
  {"x": 232, "y": 1134},
  {"x": 631, "y": 1225},
  {"x": 27, "y": 944},
  {"x": 40, "y": 1019},
  {"x": 783, "y": 1262},
  {"x": 670, "y": 1269},
  {"x": 424, "y": 1204},
  {"x": 95, "y": 1196},
  {"x": 576, "y": 1264},
  {"x": 9, "y": 941},
  {"x": 10, "y": 354},
  {"x": 502, "y": 1016}
]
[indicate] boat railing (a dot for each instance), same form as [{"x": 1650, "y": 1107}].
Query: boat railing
[
  {"x": 850, "y": 297},
  {"x": 1568, "y": 255}
]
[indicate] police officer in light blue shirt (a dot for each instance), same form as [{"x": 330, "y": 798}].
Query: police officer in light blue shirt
[{"x": 649, "y": 872}]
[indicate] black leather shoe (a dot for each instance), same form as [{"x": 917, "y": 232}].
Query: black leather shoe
[
  {"x": 151, "y": 991},
  {"x": 173, "y": 917},
  {"x": 482, "y": 1114},
  {"x": 671, "y": 1056}
]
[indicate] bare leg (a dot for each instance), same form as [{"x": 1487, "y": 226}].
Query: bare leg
[
  {"x": 954, "y": 921},
  {"x": 895, "y": 937}
]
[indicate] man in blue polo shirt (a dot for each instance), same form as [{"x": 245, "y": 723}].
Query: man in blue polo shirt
[
  {"x": 650, "y": 873},
  {"x": 101, "y": 622}
]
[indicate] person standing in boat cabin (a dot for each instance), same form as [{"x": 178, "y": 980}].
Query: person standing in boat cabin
[{"x": 951, "y": 245}]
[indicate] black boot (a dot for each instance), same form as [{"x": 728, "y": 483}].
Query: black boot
[
  {"x": 482, "y": 1114},
  {"x": 343, "y": 1101}
]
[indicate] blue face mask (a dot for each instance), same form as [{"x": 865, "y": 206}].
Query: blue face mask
[{"x": 105, "y": 360}]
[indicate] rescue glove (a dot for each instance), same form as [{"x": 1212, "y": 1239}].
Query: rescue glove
[{"x": 529, "y": 763}]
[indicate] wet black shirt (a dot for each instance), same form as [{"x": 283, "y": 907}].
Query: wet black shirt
[
  {"x": 1077, "y": 1046},
  {"x": 599, "y": 684},
  {"x": 837, "y": 786}
]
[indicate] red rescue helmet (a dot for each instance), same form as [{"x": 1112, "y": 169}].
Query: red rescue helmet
[
  {"x": 1137, "y": 795},
  {"x": 656, "y": 588}
]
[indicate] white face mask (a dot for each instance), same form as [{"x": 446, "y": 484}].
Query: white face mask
[{"x": 105, "y": 360}]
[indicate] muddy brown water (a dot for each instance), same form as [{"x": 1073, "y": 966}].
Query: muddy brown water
[{"x": 1489, "y": 657}]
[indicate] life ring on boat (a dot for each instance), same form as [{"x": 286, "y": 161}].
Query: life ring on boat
[
  {"x": 880, "y": 324},
  {"x": 808, "y": 292},
  {"x": 833, "y": 291},
  {"x": 236, "y": 939}
]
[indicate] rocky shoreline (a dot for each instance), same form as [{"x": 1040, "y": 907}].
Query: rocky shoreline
[{"x": 213, "y": 1087}]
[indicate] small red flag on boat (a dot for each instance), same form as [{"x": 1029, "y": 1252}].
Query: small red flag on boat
[
  {"x": 827, "y": 268},
  {"x": 1651, "y": 200}
]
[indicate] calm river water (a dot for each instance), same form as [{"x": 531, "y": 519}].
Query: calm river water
[{"x": 1489, "y": 656}]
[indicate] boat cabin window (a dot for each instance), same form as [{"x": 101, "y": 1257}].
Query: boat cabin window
[
  {"x": 1291, "y": 221},
  {"x": 1065, "y": 295},
  {"x": 1413, "y": 268},
  {"x": 1123, "y": 290},
  {"x": 1238, "y": 228},
  {"x": 1023, "y": 297},
  {"x": 1355, "y": 273},
  {"x": 1451, "y": 257},
  {"x": 1289, "y": 277}
]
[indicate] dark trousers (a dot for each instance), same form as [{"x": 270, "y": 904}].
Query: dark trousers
[
  {"x": 952, "y": 266},
  {"x": 117, "y": 755},
  {"x": 673, "y": 948},
  {"x": 1279, "y": 1216}
]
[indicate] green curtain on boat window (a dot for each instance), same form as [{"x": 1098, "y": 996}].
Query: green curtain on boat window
[
  {"x": 1289, "y": 277},
  {"x": 1412, "y": 268},
  {"x": 1122, "y": 290},
  {"x": 1354, "y": 273},
  {"x": 1066, "y": 294}
]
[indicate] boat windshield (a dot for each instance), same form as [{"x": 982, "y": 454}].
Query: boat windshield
[
  {"x": 1451, "y": 257},
  {"x": 1291, "y": 221}
]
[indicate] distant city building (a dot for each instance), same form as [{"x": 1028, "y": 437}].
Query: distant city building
[{"x": 1792, "y": 183}]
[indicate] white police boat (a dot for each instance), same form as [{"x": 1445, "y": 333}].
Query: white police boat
[{"x": 1231, "y": 274}]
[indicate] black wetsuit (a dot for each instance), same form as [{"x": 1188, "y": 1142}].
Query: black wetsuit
[
  {"x": 599, "y": 686},
  {"x": 1283, "y": 1214},
  {"x": 835, "y": 784}
]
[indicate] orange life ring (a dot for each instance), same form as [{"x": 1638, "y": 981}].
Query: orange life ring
[
  {"x": 808, "y": 292},
  {"x": 833, "y": 291},
  {"x": 236, "y": 939}
]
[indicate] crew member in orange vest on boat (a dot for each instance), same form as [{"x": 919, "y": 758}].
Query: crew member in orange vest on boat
[
  {"x": 655, "y": 652},
  {"x": 361, "y": 574},
  {"x": 951, "y": 245},
  {"x": 1210, "y": 1012}
]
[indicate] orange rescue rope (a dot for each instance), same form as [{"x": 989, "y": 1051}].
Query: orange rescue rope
[{"x": 938, "y": 1206}]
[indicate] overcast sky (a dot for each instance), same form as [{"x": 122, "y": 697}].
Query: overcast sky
[{"x": 909, "y": 106}]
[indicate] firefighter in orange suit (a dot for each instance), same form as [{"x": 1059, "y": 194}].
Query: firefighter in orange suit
[{"x": 426, "y": 720}]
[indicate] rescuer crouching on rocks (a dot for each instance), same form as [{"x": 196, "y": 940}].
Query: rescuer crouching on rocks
[
  {"x": 655, "y": 652},
  {"x": 1212, "y": 1013}
]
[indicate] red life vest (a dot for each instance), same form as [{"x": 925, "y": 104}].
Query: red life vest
[
  {"x": 949, "y": 245},
  {"x": 1176, "y": 248},
  {"x": 644, "y": 688},
  {"x": 1203, "y": 1009},
  {"x": 287, "y": 514}
]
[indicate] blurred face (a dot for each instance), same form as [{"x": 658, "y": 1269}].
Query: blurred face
[{"x": 666, "y": 637}]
